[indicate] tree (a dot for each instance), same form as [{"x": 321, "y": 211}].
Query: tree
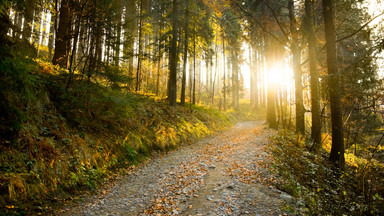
[
  {"x": 140, "y": 55},
  {"x": 185, "y": 55},
  {"x": 129, "y": 36},
  {"x": 173, "y": 58},
  {"x": 337, "y": 150},
  {"x": 271, "y": 92},
  {"x": 296, "y": 62},
  {"x": 28, "y": 17},
  {"x": 62, "y": 39},
  {"x": 52, "y": 28},
  {"x": 233, "y": 33},
  {"x": 314, "y": 80}
]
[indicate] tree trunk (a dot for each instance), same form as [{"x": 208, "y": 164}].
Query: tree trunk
[
  {"x": 173, "y": 59},
  {"x": 44, "y": 24},
  {"x": 37, "y": 22},
  {"x": 99, "y": 44},
  {"x": 271, "y": 91},
  {"x": 159, "y": 60},
  {"x": 337, "y": 150},
  {"x": 129, "y": 36},
  {"x": 139, "y": 55},
  {"x": 19, "y": 25},
  {"x": 194, "y": 64},
  {"x": 314, "y": 80},
  {"x": 74, "y": 49},
  {"x": 15, "y": 27},
  {"x": 185, "y": 55},
  {"x": 118, "y": 33},
  {"x": 52, "y": 30},
  {"x": 235, "y": 79},
  {"x": 224, "y": 80},
  {"x": 254, "y": 76},
  {"x": 296, "y": 61},
  {"x": 61, "y": 50},
  {"x": 82, "y": 50},
  {"x": 190, "y": 79},
  {"x": 28, "y": 18},
  {"x": 214, "y": 77}
]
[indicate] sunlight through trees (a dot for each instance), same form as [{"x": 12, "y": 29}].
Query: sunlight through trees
[{"x": 316, "y": 66}]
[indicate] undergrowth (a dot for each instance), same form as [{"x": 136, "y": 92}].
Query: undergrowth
[
  {"x": 66, "y": 139},
  {"x": 319, "y": 188}
]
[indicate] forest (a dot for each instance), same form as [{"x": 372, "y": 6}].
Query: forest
[{"x": 93, "y": 91}]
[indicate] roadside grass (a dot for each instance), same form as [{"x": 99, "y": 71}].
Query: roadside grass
[{"x": 319, "y": 188}]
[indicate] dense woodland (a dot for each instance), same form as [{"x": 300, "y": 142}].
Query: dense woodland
[{"x": 314, "y": 65}]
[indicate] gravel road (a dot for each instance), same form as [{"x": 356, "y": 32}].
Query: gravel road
[{"x": 225, "y": 174}]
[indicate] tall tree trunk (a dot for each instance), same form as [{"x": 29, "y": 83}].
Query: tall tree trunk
[
  {"x": 296, "y": 61},
  {"x": 130, "y": 25},
  {"x": 337, "y": 150},
  {"x": 279, "y": 105},
  {"x": 185, "y": 55},
  {"x": 107, "y": 48},
  {"x": 173, "y": 58},
  {"x": 139, "y": 56},
  {"x": 15, "y": 27},
  {"x": 252, "y": 75},
  {"x": 271, "y": 91},
  {"x": 194, "y": 64},
  {"x": 207, "y": 89},
  {"x": 45, "y": 31},
  {"x": 224, "y": 80},
  {"x": 82, "y": 50},
  {"x": 92, "y": 52},
  {"x": 118, "y": 33},
  {"x": 216, "y": 69},
  {"x": 52, "y": 29},
  {"x": 62, "y": 37},
  {"x": 190, "y": 79},
  {"x": 37, "y": 22},
  {"x": 74, "y": 49},
  {"x": 160, "y": 54},
  {"x": 99, "y": 44},
  {"x": 19, "y": 25},
  {"x": 261, "y": 79},
  {"x": 28, "y": 18},
  {"x": 315, "y": 93},
  {"x": 235, "y": 79}
]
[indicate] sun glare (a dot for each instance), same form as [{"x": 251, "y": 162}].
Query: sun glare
[{"x": 280, "y": 75}]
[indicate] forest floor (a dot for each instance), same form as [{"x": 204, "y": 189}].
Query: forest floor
[{"x": 225, "y": 174}]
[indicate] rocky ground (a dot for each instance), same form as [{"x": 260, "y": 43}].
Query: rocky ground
[{"x": 226, "y": 174}]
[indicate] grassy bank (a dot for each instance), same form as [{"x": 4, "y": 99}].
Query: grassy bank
[{"x": 321, "y": 189}]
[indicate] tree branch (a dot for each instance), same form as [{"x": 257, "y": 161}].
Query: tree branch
[
  {"x": 258, "y": 23},
  {"x": 361, "y": 28},
  {"x": 282, "y": 28}
]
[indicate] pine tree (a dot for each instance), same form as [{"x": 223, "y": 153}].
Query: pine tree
[{"x": 337, "y": 150}]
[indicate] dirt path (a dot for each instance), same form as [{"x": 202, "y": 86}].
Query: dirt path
[{"x": 227, "y": 174}]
